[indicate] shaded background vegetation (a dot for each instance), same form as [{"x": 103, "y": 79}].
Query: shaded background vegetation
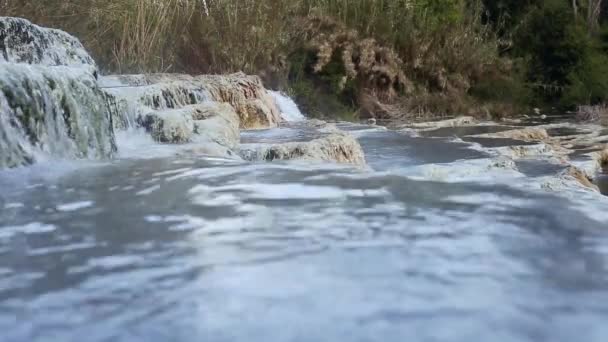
[{"x": 365, "y": 57}]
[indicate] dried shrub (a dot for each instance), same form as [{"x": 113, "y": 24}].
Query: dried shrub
[
  {"x": 603, "y": 160},
  {"x": 597, "y": 114}
]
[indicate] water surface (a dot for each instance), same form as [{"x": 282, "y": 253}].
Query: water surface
[{"x": 204, "y": 249}]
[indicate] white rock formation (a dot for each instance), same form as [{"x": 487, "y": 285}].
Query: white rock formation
[{"x": 336, "y": 147}]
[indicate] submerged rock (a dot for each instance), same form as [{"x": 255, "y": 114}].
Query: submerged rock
[
  {"x": 23, "y": 42},
  {"x": 336, "y": 147},
  {"x": 56, "y": 111}
]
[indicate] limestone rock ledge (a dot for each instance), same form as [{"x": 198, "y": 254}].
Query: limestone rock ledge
[
  {"x": 529, "y": 134},
  {"x": 339, "y": 147},
  {"x": 50, "y": 103},
  {"x": 133, "y": 94}
]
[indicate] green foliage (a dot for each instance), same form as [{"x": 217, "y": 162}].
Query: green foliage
[
  {"x": 505, "y": 15},
  {"x": 504, "y": 88},
  {"x": 317, "y": 101},
  {"x": 565, "y": 61},
  {"x": 588, "y": 81}
]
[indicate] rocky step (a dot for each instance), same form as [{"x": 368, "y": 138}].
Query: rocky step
[
  {"x": 337, "y": 147},
  {"x": 210, "y": 121},
  {"x": 136, "y": 94}
]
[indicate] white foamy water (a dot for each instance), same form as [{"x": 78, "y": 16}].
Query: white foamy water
[
  {"x": 74, "y": 206},
  {"x": 135, "y": 143},
  {"x": 30, "y": 228},
  {"x": 289, "y": 109},
  {"x": 370, "y": 253}
]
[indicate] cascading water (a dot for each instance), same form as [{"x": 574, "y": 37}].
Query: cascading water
[
  {"x": 50, "y": 104},
  {"x": 56, "y": 111},
  {"x": 289, "y": 109},
  {"x": 132, "y": 96}
]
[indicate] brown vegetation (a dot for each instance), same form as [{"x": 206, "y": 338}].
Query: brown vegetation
[
  {"x": 387, "y": 57},
  {"x": 603, "y": 161},
  {"x": 597, "y": 114}
]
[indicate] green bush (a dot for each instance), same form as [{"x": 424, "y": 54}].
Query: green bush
[
  {"x": 588, "y": 81},
  {"x": 565, "y": 62}
]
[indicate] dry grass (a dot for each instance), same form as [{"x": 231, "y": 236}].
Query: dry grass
[
  {"x": 597, "y": 113},
  {"x": 433, "y": 52},
  {"x": 123, "y": 35},
  {"x": 580, "y": 176}
]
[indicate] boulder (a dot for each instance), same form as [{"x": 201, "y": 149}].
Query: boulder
[
  {"x": 169, "y": 126},
  {"x": 336, "y": 147}
]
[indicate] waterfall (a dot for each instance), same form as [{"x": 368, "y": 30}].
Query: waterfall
[
  {"x": 56, "y": 111},
  {"x": 50, "y": 103},
  {"x": 131, "y": 96},
  {"x": 289, "y": 109},
  {"x": 23, "y": 42}
]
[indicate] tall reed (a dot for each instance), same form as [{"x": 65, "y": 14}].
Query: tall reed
[{"x": 442, "y": 45}]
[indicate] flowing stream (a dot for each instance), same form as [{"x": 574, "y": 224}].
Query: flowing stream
[{"x": 157, "y": 247}]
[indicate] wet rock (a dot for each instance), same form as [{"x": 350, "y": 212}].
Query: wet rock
[
  {"x": 23, "y": 42},
  {"x": 57, "y": 111},
  {"x": 255, "y": 107},
  {"x": 524, "y": 134},
  {"x": 503, "y": 162},
  {"x": 523, "y": 151},
  {"x": 217, "y": 122},
  {"x": 580, "y": 176},
  {"x": 336, "y": 147},
  {"x": 460, "y": 121},
  {"x": 601, "y": 179},
  {"x": 247, "y": 95},
  {"x": 602, "y": 161},
  {"x": 315, "y": 123},
  {"x": 169, "y": 126},
  {"x": 209, "y": 149}
]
